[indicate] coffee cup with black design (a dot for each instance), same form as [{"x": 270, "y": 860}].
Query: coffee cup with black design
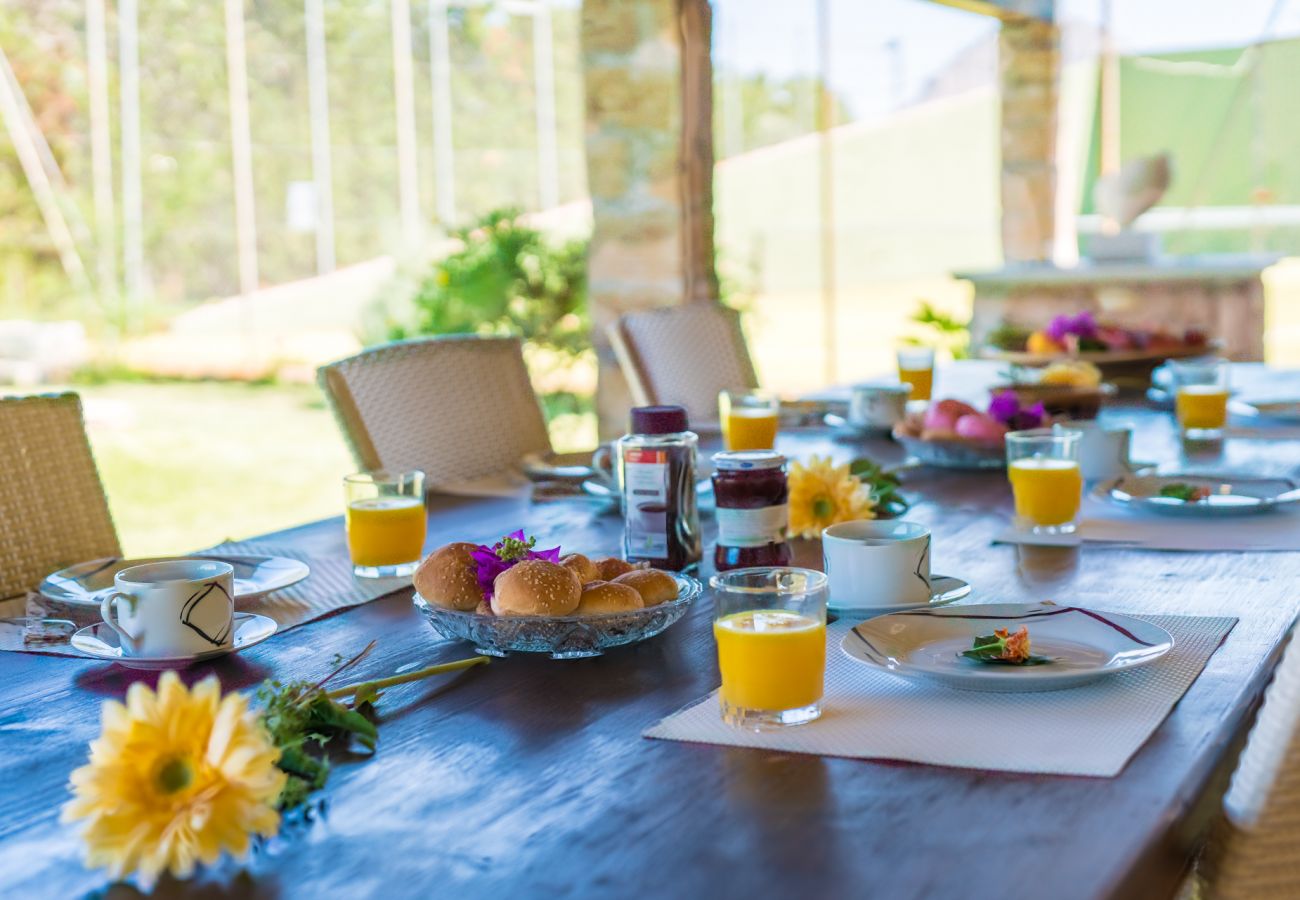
[
  {"x": 872, "y": 564},
  {"x": 175, "y": 608}
]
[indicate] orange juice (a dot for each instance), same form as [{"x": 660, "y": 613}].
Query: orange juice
[
  {"x": 749, "y": 429},
  {"x": 770, "y": 659},
  {"x": 1202, "y": 405},
  {"x": 385, "y": 531},
  {"x": 1047, "y": 491},
  {"x": 921, "y": 380}
]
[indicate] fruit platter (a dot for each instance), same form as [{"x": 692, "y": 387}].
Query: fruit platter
[
  {"x": 1068, "y": 389},
  {"x": 951, "y": 434},
  {"x": 1123, "y": 354}
]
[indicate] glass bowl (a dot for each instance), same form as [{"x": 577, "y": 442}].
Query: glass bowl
[
  {"x": 954, "y": 454},
  {"x": 563, "y": 637}
]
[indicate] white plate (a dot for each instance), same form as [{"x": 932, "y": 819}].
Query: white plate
[
  {"x": 1231, "y": 495},
  {"x": 1281, "y": 410},
  {"x": 944, "y": 589},
  {"x": 1084, "y": 645},
  {"x": 98, "y": 641},
  {"x": 85, "y": 583}
]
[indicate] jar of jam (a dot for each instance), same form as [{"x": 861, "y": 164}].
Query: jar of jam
[{"x": 752, "y": 498}]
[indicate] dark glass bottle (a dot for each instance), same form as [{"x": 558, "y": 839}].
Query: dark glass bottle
[
  {"x": 752, "y": 497},
  {"x": 656, "y": 476}
]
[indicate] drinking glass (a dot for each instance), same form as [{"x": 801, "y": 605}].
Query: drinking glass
[
  {"x": 1043, "y": 467},
  {"x": 770, "y": 627},
  {"x": 748, "y": 419},
  {"x": 385, "y": 522},
  {"x": 1201, "y": 396},
  {"x": 916, "y": 367}
]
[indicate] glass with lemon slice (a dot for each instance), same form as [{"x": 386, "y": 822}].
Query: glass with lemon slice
[
  {"x": 770, "y": 627},
  {"x": 385, "y": 521},
  {"x": 1046, "y": 482}
]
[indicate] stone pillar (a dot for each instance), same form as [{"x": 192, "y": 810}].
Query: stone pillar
[
  {"x": 649, "y": 148},
  {"x": 1029, "y": 75}
]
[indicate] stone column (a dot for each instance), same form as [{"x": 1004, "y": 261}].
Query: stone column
[
  {"x": 1029, "y": 74},
  {"x": 648, "y": 83}
]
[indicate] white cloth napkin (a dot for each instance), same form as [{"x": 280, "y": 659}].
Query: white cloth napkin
[{"x": 870, "y": 714}]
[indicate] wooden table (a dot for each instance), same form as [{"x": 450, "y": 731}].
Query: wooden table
[{"x": 529, "y": 777}]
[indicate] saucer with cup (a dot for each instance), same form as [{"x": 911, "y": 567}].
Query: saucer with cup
[{"x": 879, "y": 566}]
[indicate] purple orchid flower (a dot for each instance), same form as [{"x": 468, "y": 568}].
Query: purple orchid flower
[
  {"x": 1004, "y": 407},
  {"x": 1084, "y": 325},
  {"x": 1058, "y": 328},
  {"x": 489, "y": 562}
]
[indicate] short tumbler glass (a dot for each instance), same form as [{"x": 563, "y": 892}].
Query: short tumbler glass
[
  {"x": 1046, "y": 482},
  {"x": 770, "y": 626},
  {"x": 1200, "y": 396},
  {"x": 916, "y": 367},
  {"x": 385, "y": 522}
]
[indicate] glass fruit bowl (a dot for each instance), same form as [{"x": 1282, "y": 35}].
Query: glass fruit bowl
[{"x": 563, "y": 637}]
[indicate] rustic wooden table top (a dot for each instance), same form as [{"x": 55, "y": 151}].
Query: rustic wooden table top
[{"x": 528, "y": 777}]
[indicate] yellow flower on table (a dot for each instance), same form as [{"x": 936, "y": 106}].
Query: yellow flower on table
[
  {"x": 175, "y": 778},
  {"x": 822, "y": 494}
]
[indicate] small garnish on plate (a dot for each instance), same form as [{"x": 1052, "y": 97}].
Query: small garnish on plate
[
  {"x": 1005, "y": 648},
  {"x": 1187, "y": 493}
]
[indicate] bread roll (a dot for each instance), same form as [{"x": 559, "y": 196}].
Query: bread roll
[
  {"x": 654, "y": 586},
  {"x": 536, "y": 587},
  {"x": 584, "y": 568},
  {"x": 607, "y": 597},
  {"x": 611, "y": 567},
  {"x": 449, "y": 578}
]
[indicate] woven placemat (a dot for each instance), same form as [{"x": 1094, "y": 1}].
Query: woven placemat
[{"x": 870, "y": 714}]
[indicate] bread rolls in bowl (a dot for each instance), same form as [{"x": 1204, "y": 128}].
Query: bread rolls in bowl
[
  {"x": 608, "y": 597},
  {"x": 449, "y": 578},
  {"x": 611, "y": 567},
  {"x": 654, "y": 586},
  {"x": 583, "y": 567},
  {"x": 536, "y": 587}
]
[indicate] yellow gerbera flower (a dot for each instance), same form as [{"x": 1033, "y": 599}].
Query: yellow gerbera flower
[
  {"x": 175, "y": 778},
  {"x": 822, "y": 494}
]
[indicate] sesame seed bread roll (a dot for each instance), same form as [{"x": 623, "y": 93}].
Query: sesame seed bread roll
[
  {"x": 655, "y": 587},
  {"x": 448, "y": 578},
  {"x": 583, "y": 567},
  {"x": 536, "y": 587},
  {"x": 611, "y": 567},
  {"x": 607, "y": 597}
]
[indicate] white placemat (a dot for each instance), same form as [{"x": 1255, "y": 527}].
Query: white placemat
[
  {"x": 870, "y": 714},
  {"x": 331, "y": 586},
  {"x": 1104, "y": 523}
]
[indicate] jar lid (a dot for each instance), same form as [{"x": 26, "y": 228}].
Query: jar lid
[
  {"x": 658, "y": 420},
  {"x": 733, "y": 460}
]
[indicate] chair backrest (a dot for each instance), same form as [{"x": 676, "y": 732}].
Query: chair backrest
[
  {"x": 455, "y": 407},
  {"x": 53, "y": 512},
  {"x": 1254, "y": 854},
  {"x": 685, "y": 355}
]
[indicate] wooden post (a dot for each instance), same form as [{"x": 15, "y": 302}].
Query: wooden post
[
  {"x": 1029, "y": 68},
  {"x": 101, "y": 150},
  {"x": 444, "y": 158},
  {"x": 408, "y": 183},
  {"x": 128, "y": 64},
  {"x": 322, "y": 167},
  {"x": 241, "y": 145}
]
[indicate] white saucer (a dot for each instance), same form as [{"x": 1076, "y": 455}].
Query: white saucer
[
  {"x": 944, "y": 589},
  {"x": 85, "y": 584},
  {"x": 98, "y": 641}
]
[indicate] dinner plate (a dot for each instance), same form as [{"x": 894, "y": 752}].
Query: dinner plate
[
  {"x": 99, "y": 641},
  {"x": 843, "y": 429},
  {"x": 1082, "y": 645},
  {"x": 1230, "y": 495},
  {"x": 85, "y": 583},
  {"x": 944, "y": 589},
  {"x": 1280, "y": 410}
]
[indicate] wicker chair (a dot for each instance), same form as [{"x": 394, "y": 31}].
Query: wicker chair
[
  {"x": 52, "y": 504},
  {"x": 458, "y": 407},
  {"x": 684, "y": 354},
  {"x": 1252, "y": 852}
]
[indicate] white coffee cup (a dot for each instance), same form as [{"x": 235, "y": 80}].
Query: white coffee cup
[
  {"x": 176, "y": 608},
  {"x": 872, "y": 564},
  {"x": 877, "y": 405},
  {"x": 1103, "y": 451}
]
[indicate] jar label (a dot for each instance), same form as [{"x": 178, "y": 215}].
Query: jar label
[
  {"x": 752, "y": 527},
  {"x": 645, "y": 501}
]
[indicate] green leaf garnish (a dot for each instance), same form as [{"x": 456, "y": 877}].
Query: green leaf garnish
[
  {"x": 1185, "y": 492},
  {"x": 990, "y": 648}
]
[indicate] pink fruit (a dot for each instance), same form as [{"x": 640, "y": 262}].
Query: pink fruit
[
  {"x": 980, "y": 427},
  {"x": 943, "y": 415}
]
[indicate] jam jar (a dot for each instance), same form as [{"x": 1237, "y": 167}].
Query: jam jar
[{"x": 752, "y": 498}]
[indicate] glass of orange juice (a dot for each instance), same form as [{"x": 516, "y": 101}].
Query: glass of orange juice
[
  {"x": 916, "y": 367},
  {"x": 749, "y": 419},
  {"x": 1043, "y": 466},
  {"x": 385, "y": 522},
  {"x": 770, "y": 627},
  {"x": 1200, "y": 396}
]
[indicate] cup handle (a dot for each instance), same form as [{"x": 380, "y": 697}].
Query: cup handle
[{"x": 108, "y": 611}]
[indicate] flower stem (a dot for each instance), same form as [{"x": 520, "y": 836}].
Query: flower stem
[{"x": 381, "y": 683}]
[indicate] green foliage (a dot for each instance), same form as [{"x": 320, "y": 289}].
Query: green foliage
[
  {"x": 944, "y": 330},
  {"x": 506, "y": 278},
  {"x": 883, "y": 486},
  {"x": 989, "y": 648}
]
